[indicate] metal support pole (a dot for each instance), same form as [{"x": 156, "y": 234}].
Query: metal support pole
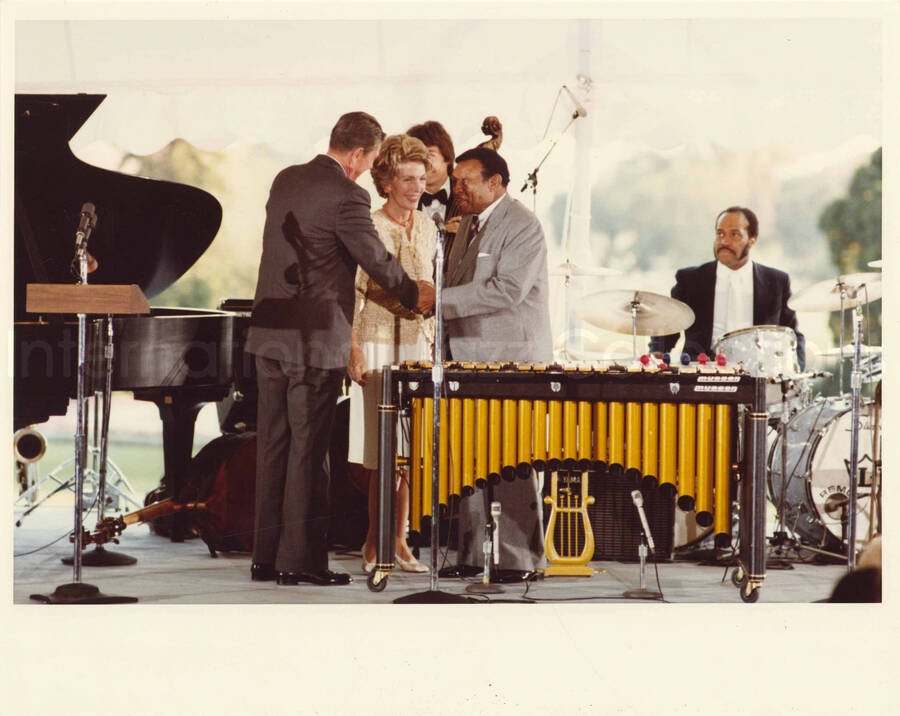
[
  {"x": 80, "y": 428},
  {"x": 753, "y": 493},
  {"x": 855, "y": 384}
]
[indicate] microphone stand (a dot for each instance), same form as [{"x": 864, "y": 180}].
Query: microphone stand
[
  {"x": 646, "y": 537},
  {"x": 77, "y": 592},
  {"x": 434, "y": 595},
  {"x": 491, "y": 545},
  {"x": 532, "y": 178}
]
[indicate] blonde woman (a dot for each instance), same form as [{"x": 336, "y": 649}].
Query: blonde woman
[{"x": 385, "y": 332}]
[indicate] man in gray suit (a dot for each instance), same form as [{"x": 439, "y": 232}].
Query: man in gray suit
[
  {"x": 318, "y": 228},
  {"x": 496, "y": 308}
]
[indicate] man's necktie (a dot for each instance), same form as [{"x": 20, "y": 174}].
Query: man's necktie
[{"x": 473, "y": 229}]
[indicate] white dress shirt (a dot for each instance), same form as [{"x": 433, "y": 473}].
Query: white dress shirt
[
  {"x": 483, "y": 216},
  {"x": 733, "y": 308}
]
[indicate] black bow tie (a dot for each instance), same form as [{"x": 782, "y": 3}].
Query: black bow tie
[{"x": 440, "y": 196}]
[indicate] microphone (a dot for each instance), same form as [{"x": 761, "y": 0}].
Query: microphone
[
  {"x": 495, "y": 516},
  {"x": 86, "y": 223},
  {"x": 438, "y": 219},
  {"x": 638, "y": 499},
  {"x": 580, "y": 111}
]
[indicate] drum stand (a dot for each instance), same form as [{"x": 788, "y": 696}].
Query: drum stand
[
  {"x": 855, "y": 384},
  {"x": 77, "y": 592},
  {"x": 875, "y": 500},
  {"x": 781, "y": 541},
  {"x": 433, "y": 595}
]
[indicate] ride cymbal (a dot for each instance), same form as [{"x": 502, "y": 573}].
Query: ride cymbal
[
  {"x": 655, "y": 315},
  {"x": 826, "y": 295}
]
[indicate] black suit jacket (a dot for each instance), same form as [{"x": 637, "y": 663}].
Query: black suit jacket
[
  {"x": 696, "y": 286},
  {"x": 318, "y": 229}
]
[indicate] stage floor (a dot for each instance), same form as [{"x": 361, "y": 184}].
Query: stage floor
[{"x": 184, "y": 573}]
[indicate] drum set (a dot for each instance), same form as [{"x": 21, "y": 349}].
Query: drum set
[{"x": 824, "y": 451}]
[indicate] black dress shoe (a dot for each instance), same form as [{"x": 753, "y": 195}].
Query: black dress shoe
[
  {"x": 507, "y": 576},
  {"x": 325, "y": 578},
  {"x": 262, "y": 572},
  {"x": 460, "y": 571}
]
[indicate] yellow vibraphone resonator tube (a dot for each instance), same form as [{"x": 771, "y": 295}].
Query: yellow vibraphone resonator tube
[{"x": 685, "y": 448}]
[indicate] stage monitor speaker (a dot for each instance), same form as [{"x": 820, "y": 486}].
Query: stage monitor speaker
[{"x": 615, "y": 521}]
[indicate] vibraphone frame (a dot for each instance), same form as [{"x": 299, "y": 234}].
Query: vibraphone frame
[{"x": 616, "y": 384}]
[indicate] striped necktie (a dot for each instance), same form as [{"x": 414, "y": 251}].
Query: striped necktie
[{"x": 473, "y": 229}]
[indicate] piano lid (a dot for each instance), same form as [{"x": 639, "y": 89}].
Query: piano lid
[{"x": 149, "y": 232}]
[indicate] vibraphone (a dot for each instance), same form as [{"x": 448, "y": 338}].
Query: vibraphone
[{"x": 675, "y": 428}]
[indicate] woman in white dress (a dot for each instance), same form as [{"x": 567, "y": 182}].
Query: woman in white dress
[{"x": 385, "y": 332}]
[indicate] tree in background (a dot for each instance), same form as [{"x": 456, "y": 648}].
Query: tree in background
[{"x": 852, "y": 227}]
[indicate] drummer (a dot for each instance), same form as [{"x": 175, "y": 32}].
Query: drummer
[{"x": 731, "y": 292}]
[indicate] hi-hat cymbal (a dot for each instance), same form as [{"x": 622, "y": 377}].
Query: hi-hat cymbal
[
  {"x": 876, "y": 264},
  {"x": 826, "y": 295},
  {"x": 656, "y": 315},
  {"x": 849, "y": 351},
  {"x": 567, "y": 268}
]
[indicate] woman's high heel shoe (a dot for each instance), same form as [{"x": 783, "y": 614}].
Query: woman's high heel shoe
[{"x": 412, "y": 565}]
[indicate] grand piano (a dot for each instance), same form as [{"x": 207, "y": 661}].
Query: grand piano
[{"x": 149, "y": 233}]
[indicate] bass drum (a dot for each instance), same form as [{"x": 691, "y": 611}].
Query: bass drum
[{"x": 817, "y": 468}]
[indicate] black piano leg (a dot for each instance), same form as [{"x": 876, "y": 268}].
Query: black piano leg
[{"x": 178, "y": 419}]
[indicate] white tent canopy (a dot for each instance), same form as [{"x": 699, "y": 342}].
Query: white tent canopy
[
  {"x": 812, "y": 83},
  {"x": 807, "y": 89}
]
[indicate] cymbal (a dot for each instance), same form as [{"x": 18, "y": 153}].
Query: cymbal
[
  {"x": 567, "y": 268},
  {"x": 848, "y": 351},
  {"x": 826, "y": 295},
  {"x": 876, "y": 264},
  {"x": 656, "y": 315}
]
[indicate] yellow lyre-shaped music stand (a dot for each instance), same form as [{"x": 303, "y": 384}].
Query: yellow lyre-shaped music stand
[{"x": 568, "y": 511}]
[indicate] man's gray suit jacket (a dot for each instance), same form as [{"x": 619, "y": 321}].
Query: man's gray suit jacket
[
  {"x": 318, "y": 228},
  {"x": 495, "y": 298}
]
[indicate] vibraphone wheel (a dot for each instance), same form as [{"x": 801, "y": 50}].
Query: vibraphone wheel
[
  {"x": 376, "y": 586},
  {"x": 748, "y": 595},
  {"x": 738, "y": 577}
]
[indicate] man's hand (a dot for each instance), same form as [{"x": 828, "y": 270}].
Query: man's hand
[
  {"x": 92, "y": 263},
  {"x": 357, "y": 367},
  {"x": 426, "y": 297},
  {"x": 452, "y": 224}
]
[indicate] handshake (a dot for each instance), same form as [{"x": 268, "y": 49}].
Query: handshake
[{"x": 425, "y": 304}]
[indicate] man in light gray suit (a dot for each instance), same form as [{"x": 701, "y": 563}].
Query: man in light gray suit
[{"x": 496, "y": 308}]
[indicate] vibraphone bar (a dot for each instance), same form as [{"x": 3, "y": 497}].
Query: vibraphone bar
[{"x": 675, "y": 428}]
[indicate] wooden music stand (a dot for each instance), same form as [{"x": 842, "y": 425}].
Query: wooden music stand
[
  {"x": 87, "y": 299},
  {"x": 84, "y": 300}
]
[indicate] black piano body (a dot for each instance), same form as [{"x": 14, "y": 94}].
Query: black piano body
[{"x": 148, "y": 233}]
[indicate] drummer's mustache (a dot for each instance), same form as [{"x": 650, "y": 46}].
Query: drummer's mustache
[{"x": 740, "y": 255}]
